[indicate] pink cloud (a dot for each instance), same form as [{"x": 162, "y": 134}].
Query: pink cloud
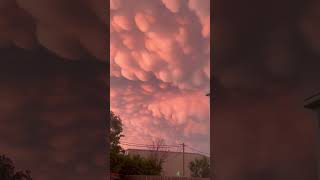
[
  {"x": 143, "y": 21},
  {"x": 165, "y": 44},
  {"x": 150, "y": 112},
  {"x": 172, "y": 5},
  {"x": 122, "y": 22},
  {"x": 115, "y": 4},
  {"x": 202, "y": 10},
  {"x": 160, "y": 70}
]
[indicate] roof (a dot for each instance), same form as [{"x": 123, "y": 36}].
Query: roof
[{"x": 313, "y": 102}]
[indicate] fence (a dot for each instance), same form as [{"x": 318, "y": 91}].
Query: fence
[{"x": 161, "y": 178}]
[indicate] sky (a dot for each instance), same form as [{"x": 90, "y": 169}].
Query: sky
[
  {"x": 53, "y": 87},
  {"x": 160, "y": 70},
  {"x": 52, "y": 114},
  {"x": 266, "y": 62},
  {"x": 52, "y": 65}
]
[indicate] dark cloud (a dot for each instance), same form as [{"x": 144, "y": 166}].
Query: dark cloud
[
  {"x": 53, "y": 109},
  {"x": 266, "y": 63},
  {"x": 70, "y": 29},
  {"x": 53, "y": 114},
  {"x": 262, "y": 44}
]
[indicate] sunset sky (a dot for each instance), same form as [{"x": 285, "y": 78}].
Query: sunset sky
[
  {"x": 53, "y": 88},
  {"x": 53, "y": 83},
  {"x": 160, "y": 70}
]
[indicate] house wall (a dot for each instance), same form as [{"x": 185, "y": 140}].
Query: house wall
[{"x": 173, "y": 162}]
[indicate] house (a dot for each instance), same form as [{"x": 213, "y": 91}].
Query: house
[{"x": 173, "y": 165}]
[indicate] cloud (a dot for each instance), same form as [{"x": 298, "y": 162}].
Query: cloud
[
  {"x": 143, "y": 21},
  {"x": 160, "y": 72},
  {"x": 264, "y": 68},
  {"x": 145, "y": 108},
  {"x": 163, "y": 47},
  {"x": 310, "y": 26},
  {"x": 202, "y": 9},
  {"x": 115, "y": 4},
  {"x": 50, "y": 24},
  {"x": 121, "y": 22},
  {"x": 45, "y": 112},
  {"x": 173, "y": 5}
]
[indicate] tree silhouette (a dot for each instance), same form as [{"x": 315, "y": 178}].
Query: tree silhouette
[
  {"x": 7, "y": 170},
  {"x": 126, "y": 164},
  {"x": 115, "y": 133},
  {"x": 200, "y": 168},
  {"x": 159, "y": 151}
]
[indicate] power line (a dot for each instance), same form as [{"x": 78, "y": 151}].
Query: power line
[
  {"x": 176, "y": 145},
  {"x": 201, "y": 152},
  {"x": 183, "y": 146},
  {"x": 178, "y": 151},
  {"x": 149, "y": 145},
  {"x": 162, "y": 146}
]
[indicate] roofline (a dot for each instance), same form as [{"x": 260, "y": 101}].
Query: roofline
[
  {"x": 169, "y": 151},
  {"x": 312, "y": 102}
]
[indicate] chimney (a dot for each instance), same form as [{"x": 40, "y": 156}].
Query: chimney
[{"x": 313, "y": 103}]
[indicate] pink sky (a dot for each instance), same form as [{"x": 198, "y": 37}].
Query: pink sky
[{"x": 160, "y": 70}]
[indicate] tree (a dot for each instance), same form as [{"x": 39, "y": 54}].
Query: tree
[
  {"x": 137, "y": 165},
  {"x": 116, "y": 151},
  {"x": 159, "y": 151},
  {"x": 115, "y": 133},
  {"x": 200, "y": 168},
  {"x": 7, "y": 170},
  {"x": 126, "y": 164}
]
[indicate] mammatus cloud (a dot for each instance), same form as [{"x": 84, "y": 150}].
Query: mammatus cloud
[
  {"x": 160, "y": 43},
  {"x": 150, "y": 112},
  {"x": 52, "y": 114},
  {"x": 46, "y": 103},
  {"x": 150, "y": 41},
  {"x": 160, "y": 69},
  {"x": 266, "y": 63},
  {"x": 70, "y": 29}
]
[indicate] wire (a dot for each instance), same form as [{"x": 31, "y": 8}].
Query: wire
[
  {"x": 161, "y": 146},
  {"x": 196, "y": 150},
  {"x": 148, "y": 145},
  {"x": 178, "y": 152}
]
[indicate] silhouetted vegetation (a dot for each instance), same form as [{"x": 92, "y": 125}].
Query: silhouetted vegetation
[
  {"x": 115, "y": 133},
  {"x": 7, "y": 170},
  {"x": 126, "y": 164},
  {"x": 200, "y": 168}
]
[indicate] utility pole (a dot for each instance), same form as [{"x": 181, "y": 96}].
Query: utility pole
[{"x": 183, "y": 145}]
